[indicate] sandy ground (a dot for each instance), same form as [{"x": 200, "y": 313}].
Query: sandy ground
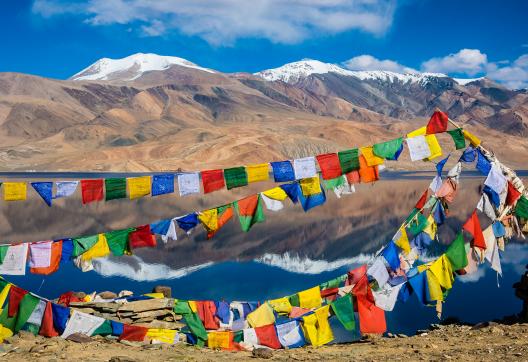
[{"x": 454, "y": 342}]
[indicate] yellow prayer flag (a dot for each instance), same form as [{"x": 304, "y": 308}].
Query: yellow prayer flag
[
  {"x": 158, "y": 335},
  {"x": 423, "y": 267},
  {"x": 443, "y": 272},
  {"x": 262, "y": 316},
  {"x": 310, "y": 298},
  {"x": 15, "y": 191},
  {"x": 403, "y": 241},
  {"x": 5, "y": 333},
  {"x": 138, "y": 186},
  {"x": 99, "y": 249},
  {"x": 155, "y": 295},
  {"x": 219, "y": 339},
  {"x": 310, "y": 186},
  {"x": 258, "y": 172},
  {"x": 281, "y": 305},
  {"x": 276, "y": 193},
  {"x": 3, "y": 295},
  {"x": 418, "y": 132},
  {"x": 209, "y": 219},
  {"x": 431, "y": 227},
  {"x": 434, "y": 146},
  {"x": 435, "y": 292},
  {"x": 193, "y": 306},
  {"x": 474, "y": 140},
  {"x": 316, "y": 327},
  {"x": 370, "y": 157}
]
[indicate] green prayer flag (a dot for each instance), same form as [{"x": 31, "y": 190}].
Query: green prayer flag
[
  {"x": 456, "y": 253},
  {"x": 115, "y": 188},
  {"x": 334, "y": 283},
  {"x": 104, "y": 329},
  {"x": 5, "y": 320},
  {"x": 247, "y": 221},
  {"x": 118, "y": 240},
  {"x": 411, "y": 215},
  {"x": 196, "y": 326},
  {"x": 458, "y": 138},
  {"x": 344, "y": 310},
  {"x": 82, "y": 244},
  {"x": 333, "y": 183},
  {"x": 418, "y": 224},
  {"x": 294, "y": 300},
  {"x": 238, "y": 336},
  {"x": 387, "y": 149},
  {"x": 26, "y": 307},
  {"x": 235, "y": 177},
  {"x": 349, "y": 160},
  {"x": 181, "y": 307},
  {"x": 521, "y": 208},
  {"x": 3, "y": 252},
  {"x": 32, "y": 328}
]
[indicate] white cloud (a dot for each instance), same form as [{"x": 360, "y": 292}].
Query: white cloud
[
  {"x": 514, "y": 76},
  {"x": 368, "y": 62},
  {"x": 467, "y": 61},
  {"x": 222, "y": 22}
]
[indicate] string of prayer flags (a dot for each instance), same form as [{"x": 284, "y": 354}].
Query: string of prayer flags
[
  {"x": 388, "y": 150},
  {"x": 472, "y": 226},
  {"x": 45, "y": 190},
  {"x": 370, "y": 157},
  {"x": 163, "y": 184},
  {"x": 329, "y": 165},
  {"x": 115, "y": 188},
  {"x": 249, "y": 211},
  {"x": 459, "y": 140},
  {"x": 15, "y": 191},
  {"x": 189, "y": 183},
  {"x": 65, "y": 188},
  {"x": 283, "y": 171},
  {"x": 418, "y": 148},
  {"x": 437, "y": 123},
  {"x": 349, "y": 160},
  {"x": 235, "y": 177},
  {"x": 304, "y": 167},
  {"x": 141, "y": 186},
  {"x": 92, "y": 190},
  {"x": 256, "y": 173},
  {"x": 213, "y": 180}
]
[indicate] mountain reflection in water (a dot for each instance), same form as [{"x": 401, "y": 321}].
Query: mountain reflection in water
[{"x": 291, "y": 251}]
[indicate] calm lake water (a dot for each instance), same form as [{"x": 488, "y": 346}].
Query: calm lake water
[{"x": 290, "y": 252}]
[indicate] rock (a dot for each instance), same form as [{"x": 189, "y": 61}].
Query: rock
[
  {"x": 390, "y": 335},
  {"x": 80, "y": 295},
  {"x": 125, "y": 293},
  {"x": 480, "y": 325},
  {"x": 262, "y": 353},
  {"x": 401, "y": 335},
  {"x": 167, "y": 291},
  {"x": 121, "y": 359},
  {"x": 79, "y": 338},
  {"x": 107, "y": 295},
  {"x": 145, "y": 305}
]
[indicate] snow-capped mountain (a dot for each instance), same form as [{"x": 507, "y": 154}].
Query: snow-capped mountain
[
  {"x": 132, "y": 67},
  {"x": 293, "y": 72}
]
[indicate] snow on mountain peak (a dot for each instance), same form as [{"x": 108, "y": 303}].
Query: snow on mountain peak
[{"x": 132, "y": 67}]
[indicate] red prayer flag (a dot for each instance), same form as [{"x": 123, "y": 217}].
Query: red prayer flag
[
  {"x": 213, "y": 180},
  {"x": 371, "y": 317},
  {"x": 513, "y": 194},
  {"x": 248, "y": 205},
  {"x": 222, "y": 220},
  {"x": 133, "y": 333},
  {"x": 67, "y": 298},
  {"x": 46, "y": 326},
  {"x": 353, "y": 177},
  {"x": 356, "y": 274},
  {"x": 56, "y": 254},
  {"x": 330, "y": 166},
  {"x": 329, "y": 294},
  {"x": 206, "y": 312},
  {"x": 423, "y": 199},
  {"x": 267, "y": 336},
  {"x": 15, "y": 297},
  {"x": 142, "y": 237},
  {"x": 92, "y": 190},
  {"x": 437, "y": 123},
  {"x": 472, "y": 226},
  {"x": 367, "y": 173}
]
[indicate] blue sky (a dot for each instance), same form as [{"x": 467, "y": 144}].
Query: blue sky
[{"x": 57, "y": 38}]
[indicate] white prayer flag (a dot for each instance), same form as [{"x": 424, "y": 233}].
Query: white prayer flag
[
  {"x": 496, "y": 180},
  {"x": 271, "y": 204},
  {"x": 418, "y": 148},
  {"x": 484, "y": 205},
  {"x": 15, "y": 260},
  {"x": 304, "y": 167},
  {"x": 189, "y": 183},
  {"x": 65, "y": 188},
  {"x": 386, "y": 297},
  {"x": 492, "y": 250},
  {"x": 378, "y": 271},
  {"x": 80, "y": 322},
  {"x": 250, "y": 336},
  {"x": 40, "y": 254},
  {"x": 171, "y": 232},
  {"x": 38, "y": 313},
  {"x": 436, "y": 184},
  {"x": 289, "y": 333}
]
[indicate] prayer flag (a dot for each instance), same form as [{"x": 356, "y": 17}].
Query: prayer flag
[
  {"x": 492, "y": 196},
  {"x": 281, "y": 305},
  {"x": 14, "y": 262},
  {"x": 60, "y": 316},
  {"x": 492, "y": 250},
  {"x": 469, "y": 155},
  {"x": 442, "y": 270},
  {"x": 45, "y": 190},
  {"x": 225, "y": 213},
  {"x": 434, "y": 146},
  {"x": 439, "y": 213},
  {"x": 496, "y": 180},
  {"x": 46, "y": 326},
  {"x": 83, "y": 243},
  {"x": 370, "y": 157},
  {"x": 213, "y": 180},
  {"x": 513, "y": 194},
  {"x": 521, "y": 208},
  {"x": 115, "y": 188},
  {"x": 378, "y": 271},
  {"x": 353, "y": 177},
  {"x": 371, "y": 318},
  {"x": 292, "y": 190},
  {"x": 290, "y": 334},
  {"x": 249, "y": 211},
  {"x": 447, "y": 191},
  {"x": 472, "y": 226},
  {"x": 471, "y": 138},
  {"x": 133, "y": 333},
  {"x": 40, "y": 254},
  {"x": 329, "y": 165},
  {"x": 273, "y": 198},
  {"x": 235, "y": 177},
  {"x": 458, "y": 138},
  {"x": 188, "y": 222},
  {"x": 310, "y": 186},
  {"x": 65, "y": 188},
  {"x": 117, "y": 241},
  {"x": 223, "y": 340},
  {"x": 385, "y": 298},
  {"x": 433, "y": 290},
  {"x": 422, "y": 131},
  {"x": 418, "y": 148},
  {"x": 15, "y": 297},
  {"x": 418, "y": 224},
  {"x": 67, "y": 250},
  {"x": 26, "y": 307},
  {"x": 139, "y": 186},
  {"x": 401, "y": 240},
  {"x": 261, "y": 316},
  {"x": 15, "y": 191},
  {"x": 423, "y": 199},
  {"x": 309, "y": 202},
  {"x": 162, "y": 184},
  {"x": 92, "y": 190},
  {"x": 483, "y": 164},
  {"x": 141, "y": 237},
  {"x": 267, "y": 336},
  {"x": 349, "y": 160},
  {"x": 389, "y": 149},
  {"x": 283, "y": 171},
  {"x": 159, "y": 335},
  {"x": 367, "y": 173},
  {"x": 316, "y": 327},
  {"x": 98, "y": 250},
  {"x": 310, "y": 298},
  {"x": 189, "y": 183},
  {"x": 390, "y": 253},
  {"x": 437, "y": 123},
  {"x": 344, "y": 310},
  {"x": 209, "y": 219},
  {"x": 256, "y": 173},
  {"x": 55, "y": 255},
  {"x": 440, "y": 165},
  {"x": 304, "y": 167},
  {"x": 84, "y": 323}
]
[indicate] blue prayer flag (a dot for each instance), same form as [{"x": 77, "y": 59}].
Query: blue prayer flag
[
  {"x": 421, "y": 241},
  {"x": 483, "y": 164},
  {"x": 283, "y": 171},
  {"x": 60, "y": 316},
  {"x": 292, "y": 190},
  {"x": 468, "y": 155},
  {"x": 390, "y": 253},
  {"x": 498, "y": 229},
  {"x": 162, "y": 184},
  {"x": 67, "y": 250},
  {"x": 117, "y": 328},
  {"x": 440, "y": 165},
  {"x": 419, "y": 287},
  {"x": 45, "y": 190},
  {"x": 492, "y": 195},
  {"x": 309, "y": 202},
  {"x": 188, "y": 222},
  {"x": 404, "y": 293},
  {"x": 439, "y": 213},
  {"x": 160, "y": 227}
]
